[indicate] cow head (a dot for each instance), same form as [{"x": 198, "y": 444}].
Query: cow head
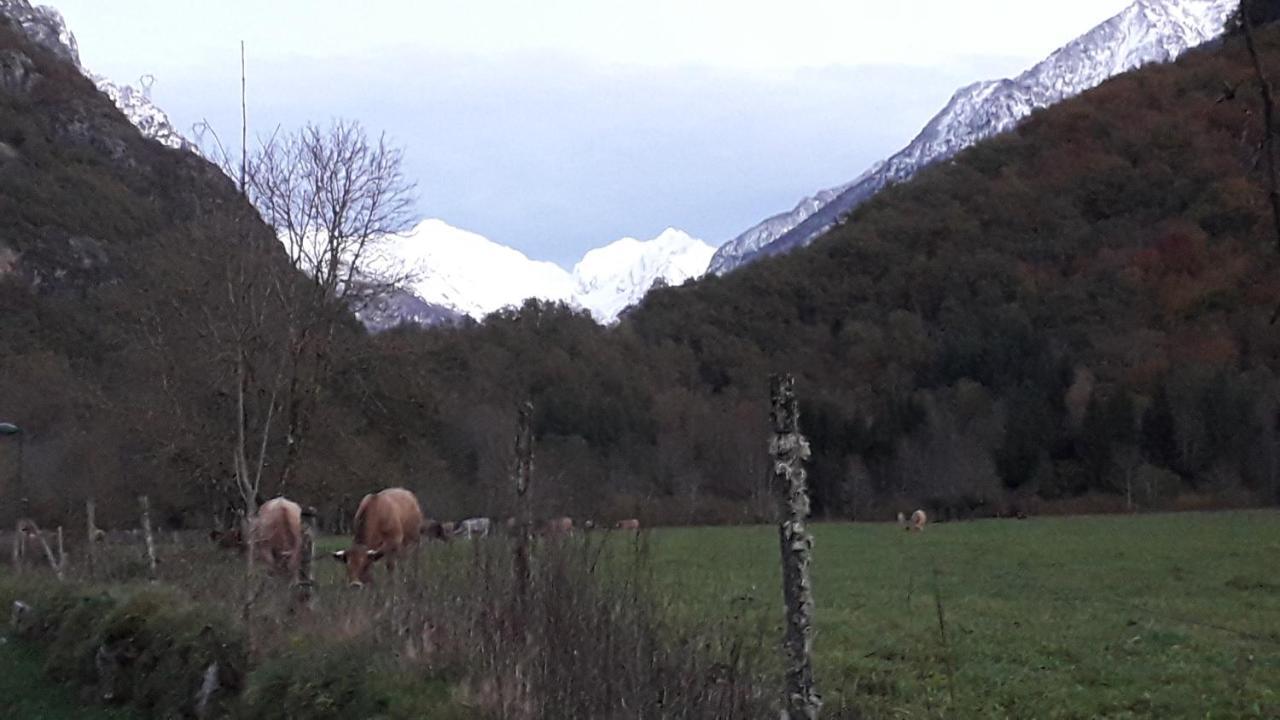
[{"x": 359, "y": 561}]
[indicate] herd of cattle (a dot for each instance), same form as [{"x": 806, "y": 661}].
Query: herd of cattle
[{"x": 387, "y": 525}]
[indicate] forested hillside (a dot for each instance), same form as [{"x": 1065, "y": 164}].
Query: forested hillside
[
  {"x": 126, "y": 268},
  {"x": 1076, "y": 313}
]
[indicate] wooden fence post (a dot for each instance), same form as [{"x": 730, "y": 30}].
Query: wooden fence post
[
  {"x": 62, "y": 553},
  {"x": 523, "y": 478},
  {"x": 306, "y": 576},
  {"x": 146, "y": 536},
  {"x": 91, "y": 550},
  {"x": 789, "y": 450},
  {"x": 18, "y": 545}
]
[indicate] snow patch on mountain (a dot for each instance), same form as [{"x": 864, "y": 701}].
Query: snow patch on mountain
[
  {"x": 46, "y": 27},
  {"x": 1147, "y": 31},
  {"x": 145, "y": 115},
  {"x": 612, "y": 278}
]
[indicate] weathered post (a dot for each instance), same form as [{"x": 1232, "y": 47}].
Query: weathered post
[
  {"x": 306, "y": 576},
  {"x": 789, "y": 450},
  {"x": 250, "y": 591},
  {"x": 147, "y": 538},
  {"x": 523, "y": 473},
  {"x": 62, "y": 553},
  {"x": 91, "y": 549},
  {"x": 18, "y": 545},
  {"x": 28, "y": 527}
]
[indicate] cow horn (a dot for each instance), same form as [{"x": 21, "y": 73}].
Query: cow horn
[{"x": 374, "y": 554}]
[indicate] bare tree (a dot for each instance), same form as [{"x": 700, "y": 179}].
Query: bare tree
[{"x": 335, "y": 198}]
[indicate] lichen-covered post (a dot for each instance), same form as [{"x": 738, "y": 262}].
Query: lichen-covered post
[
  {"x": 146, "y": 536},
  {"x": 789, "y": 450},
  {"x": 306, "y": 576},
  {"x": 523, "y": 473}
]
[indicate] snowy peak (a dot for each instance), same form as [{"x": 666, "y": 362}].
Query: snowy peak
[
  {"x": 470, "y": 273},
  {"x": 1146, "y": 31},
  {"x": 46, "y": 27},
  {"x": 467, "y": 273},
  {"x": 609, "y": 279}
]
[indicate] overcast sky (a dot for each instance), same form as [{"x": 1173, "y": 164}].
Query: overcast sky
[{"x": 559, "y": 125}]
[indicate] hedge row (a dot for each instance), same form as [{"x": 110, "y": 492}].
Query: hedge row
[{"x": 153, "y": 650}]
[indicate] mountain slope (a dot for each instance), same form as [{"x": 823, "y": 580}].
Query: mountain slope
[
  {"x": 1147, "y": 31},
  {"x": 1059, "y": 310},
  {"x": 46, "y": 26}
]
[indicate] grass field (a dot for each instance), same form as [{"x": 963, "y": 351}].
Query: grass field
[
  {"x": 1157, "y": 616},
  {"x": 1164, "y": 616}
]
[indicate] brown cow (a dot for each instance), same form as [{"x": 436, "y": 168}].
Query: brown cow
[
  {"x": 558, "y": 526},
  {"x": 276, "y": 532},
  {"x": 387, "y": 524},
  {"x": 628, "y": 524}
]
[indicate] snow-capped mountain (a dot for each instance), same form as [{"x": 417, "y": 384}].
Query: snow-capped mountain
[
  {"x": 470, "y": 274},
  {"x": 609, "y": 279},
  {"x": 1146, "y": 31},
  {"x": 46, "y": 27}
]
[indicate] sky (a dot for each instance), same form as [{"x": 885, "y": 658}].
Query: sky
[{"x": 561, "y": 125}]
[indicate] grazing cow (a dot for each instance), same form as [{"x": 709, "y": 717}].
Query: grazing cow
[
  {"x": 473, "y": 527},
  {"x": 918, "y": 521},
  {"x": 387, "y": 524},
  {"x": 276, "y": 531},
  {"x": 558, "y": 526},
  {"x": 628, "y": 524}
]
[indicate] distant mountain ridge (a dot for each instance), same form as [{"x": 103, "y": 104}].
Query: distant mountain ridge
[
  {"x": 469, "y": 274},
  {"x": 1146, "y": 31}
]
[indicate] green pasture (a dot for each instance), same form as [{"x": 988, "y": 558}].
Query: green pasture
[{"x": 1165, "y": 616}]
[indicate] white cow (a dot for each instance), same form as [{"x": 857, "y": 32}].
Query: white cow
[
  {"x": 918, "y": 521},
  {"x": 474, "y": 527}
]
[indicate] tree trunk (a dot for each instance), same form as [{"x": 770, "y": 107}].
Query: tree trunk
[
  {"x": 789, "y": 450},
  {"x": 91, "y": 550},
  {"x": 146, "y": 536}
]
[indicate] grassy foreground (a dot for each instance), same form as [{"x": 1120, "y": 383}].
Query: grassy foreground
[
  {"x": 1159, "y": 616},
  {"x": 1151, "y": 616},
  {"x": 27, "y": 694}
]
